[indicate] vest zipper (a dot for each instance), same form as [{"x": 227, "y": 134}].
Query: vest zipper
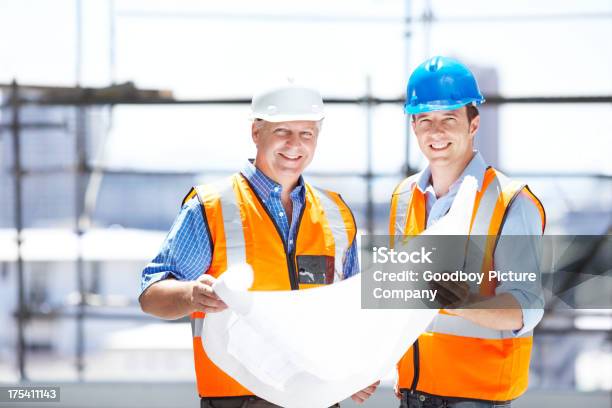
[
  {"x": 415, "y": 346},
  {"x": 290, "y": 257},
  {"x": 415, "y": 356}
]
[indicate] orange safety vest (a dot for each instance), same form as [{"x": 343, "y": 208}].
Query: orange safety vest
[
  {"x": 455, "y": 357},
  {"x": 241, "y": 230}
]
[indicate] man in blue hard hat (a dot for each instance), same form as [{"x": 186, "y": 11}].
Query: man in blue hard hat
[{"x": 468, "y": 357}]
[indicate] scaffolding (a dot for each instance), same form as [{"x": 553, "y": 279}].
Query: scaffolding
[{"x": 81, "y": 99}]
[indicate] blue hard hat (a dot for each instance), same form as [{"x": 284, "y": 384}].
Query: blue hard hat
[{"x": 441, "y": 83}]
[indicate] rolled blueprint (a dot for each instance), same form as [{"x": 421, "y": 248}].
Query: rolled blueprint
[{"x": 313, "y": 348}]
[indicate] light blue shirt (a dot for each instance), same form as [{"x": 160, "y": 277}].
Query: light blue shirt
[
  {"x": 186, "y": 253},
  {"x": 523, "y": 219}
]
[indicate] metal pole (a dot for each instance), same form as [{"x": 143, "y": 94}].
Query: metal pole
[
  {"x": 407, "y": 169},
  {"x": 79, "y": 40},
  {"x": 18, "y": 172},
  {"x": 111, "y": 41},
  {"x": 369, "y": 173},
  {"x": 427, "y": 23},
  {"x": 81, "y": 156},
  {"x": 79, "y": 129}
]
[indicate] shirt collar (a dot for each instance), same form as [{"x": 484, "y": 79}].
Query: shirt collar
[
  {"x": 476, "y": 168},
  {"x": 264, "y": 186}
]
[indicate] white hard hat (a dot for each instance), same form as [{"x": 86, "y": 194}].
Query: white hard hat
[{"x": 287, "y": 102}]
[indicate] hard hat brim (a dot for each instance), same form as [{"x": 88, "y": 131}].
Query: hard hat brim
[
  {"x": 289, "y": 117},
  {"x": 428, "y": 107}
]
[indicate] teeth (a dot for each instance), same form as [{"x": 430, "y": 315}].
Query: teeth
[
  {"x": 290, "y": 157},
  {"x": 439, "y": 145}
]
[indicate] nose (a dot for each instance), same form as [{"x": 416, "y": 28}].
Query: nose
[
  {"x": 437, "y": 135},
  {"x": 437, "y": 132},
  {"x": 293, "y": 140}
]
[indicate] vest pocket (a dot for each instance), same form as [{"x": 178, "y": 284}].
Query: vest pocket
[{"x": 315, "y": 269}]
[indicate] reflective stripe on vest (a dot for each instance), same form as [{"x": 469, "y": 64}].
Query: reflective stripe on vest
[
  {"x": 338, "y": 229},
  {"x": 232, "y": 222},
  {"x": 242, "y": 231},
  {"x": 492, "y": 364},
  {"x": 399, "y": 206},
  {"x": 457, "y": 326}
]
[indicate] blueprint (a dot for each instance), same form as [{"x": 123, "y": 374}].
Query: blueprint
[{"x": 313, "y": 348}]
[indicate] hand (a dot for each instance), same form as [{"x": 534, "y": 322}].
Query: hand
[
  {"x": 360, "y": 396},
  {"x": 396, "y": 391},
  {"x": 202, "y": 296},
  {"x": 451, "y": 294}
]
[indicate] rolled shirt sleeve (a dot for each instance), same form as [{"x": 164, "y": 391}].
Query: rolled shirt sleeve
[
  {"x": 186, "y": 251},
  {"x": 522, "y": 254}
]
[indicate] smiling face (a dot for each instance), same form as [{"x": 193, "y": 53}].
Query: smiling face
[
  {"x": 284, "y": 149},
  {"x": 446, "y": 137}
]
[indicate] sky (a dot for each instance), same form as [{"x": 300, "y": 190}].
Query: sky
[{"x": 225, "y": 49}]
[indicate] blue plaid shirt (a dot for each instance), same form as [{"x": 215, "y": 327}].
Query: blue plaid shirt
[{"x": 186, "y": 252}]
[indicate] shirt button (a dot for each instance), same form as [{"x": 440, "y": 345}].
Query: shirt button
[
  {"x": 291, "y": 241},
  {"x": 281, "y": 214},
  {"x": 276, "y": 189}
]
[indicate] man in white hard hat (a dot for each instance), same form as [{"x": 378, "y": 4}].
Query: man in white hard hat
[{"x": 290, "y": 233}]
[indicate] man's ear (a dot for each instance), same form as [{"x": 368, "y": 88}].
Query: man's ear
[
  {"x": 474, "y": 125},
  {"x": 254, "y": 133}
]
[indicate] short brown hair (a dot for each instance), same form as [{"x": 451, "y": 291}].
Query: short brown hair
[{"x": 472, "y": 112}]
